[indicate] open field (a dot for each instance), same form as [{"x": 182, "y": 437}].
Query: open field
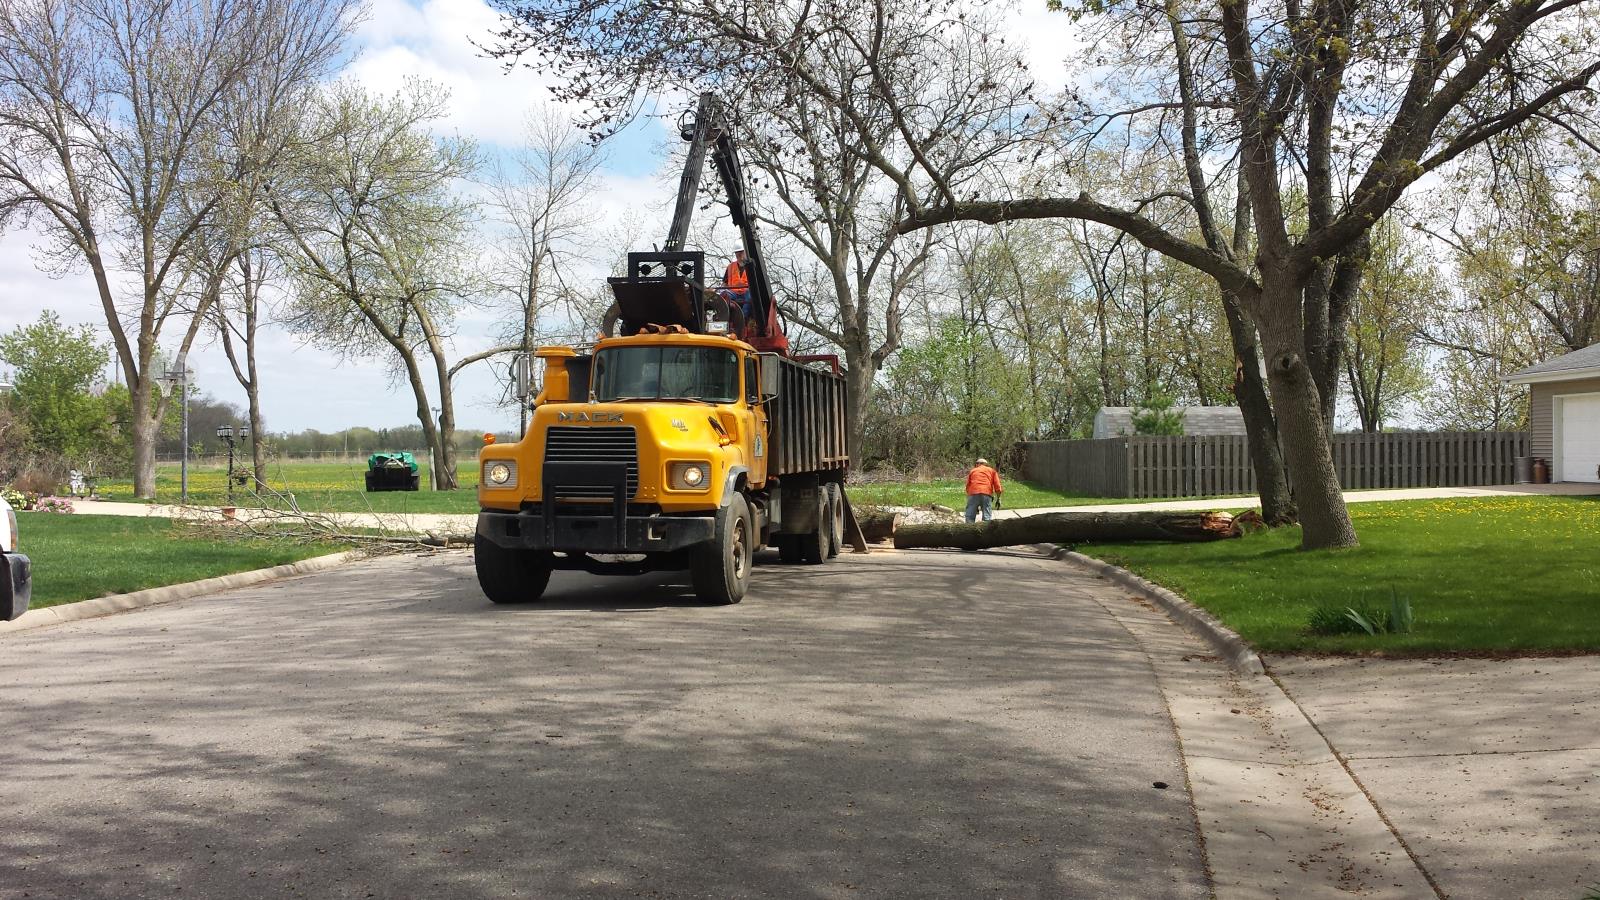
[
  {"x": 77, "y": 557},
  {"x": 326, "y": 486},
  {"x": 1516, "y": 574},
  {"x": 337, "y": 487}
]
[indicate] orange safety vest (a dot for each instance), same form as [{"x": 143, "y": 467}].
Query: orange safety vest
[
  {"x": 983, "y": 480},
  {"x": 736, "y": 277}
]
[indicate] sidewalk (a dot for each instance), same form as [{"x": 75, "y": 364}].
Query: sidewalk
[
  {"x": 408, "y": 523},
  {"x": 1489, "y": 770},
  {"x": 1252, "y": 501}
]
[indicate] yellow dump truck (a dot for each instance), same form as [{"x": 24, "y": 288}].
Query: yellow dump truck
[
  {"x": 687, "y": 437},
  {"x": 675, "y": 451}
]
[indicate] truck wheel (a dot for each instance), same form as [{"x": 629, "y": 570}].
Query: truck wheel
[
  {"x": 370, "y": 488},
  {"x": 835, "y": 519},
  {"x": 510, "y": 576},
  {"x": 814, "y": 546},
  {"x": 721, "y": 569},
  {"x": 416, "y": 483}
]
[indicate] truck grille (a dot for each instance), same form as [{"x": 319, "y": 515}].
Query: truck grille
[{"x": 590, "y": 445}]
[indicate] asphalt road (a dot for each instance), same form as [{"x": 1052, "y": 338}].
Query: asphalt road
[{"x": 915, "y": 724}]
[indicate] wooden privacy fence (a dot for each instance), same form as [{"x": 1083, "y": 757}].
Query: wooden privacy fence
[{"x": 1149, "y": 466}]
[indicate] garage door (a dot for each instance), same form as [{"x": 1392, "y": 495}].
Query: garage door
[{"x": 1580, "y": 438}]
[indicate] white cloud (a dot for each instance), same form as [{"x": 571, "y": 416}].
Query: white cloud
[{"x": 435, "y": 41}]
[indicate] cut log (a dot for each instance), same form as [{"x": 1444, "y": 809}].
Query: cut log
[
  {"x": 877, "y": 525},
  {"x": 1071, "y": 528}
]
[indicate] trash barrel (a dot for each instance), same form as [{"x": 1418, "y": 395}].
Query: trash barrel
[{"x": 1523, "y": 469}]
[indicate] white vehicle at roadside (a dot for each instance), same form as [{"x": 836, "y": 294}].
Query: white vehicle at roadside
[{"x": 16, "y": 572}]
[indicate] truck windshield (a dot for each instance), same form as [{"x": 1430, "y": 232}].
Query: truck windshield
[{"x": 666, "y": 373}]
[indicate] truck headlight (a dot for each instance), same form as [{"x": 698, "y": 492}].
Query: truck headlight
[
  {"x": 690, "y": 476},
  {"x": 501, "y": 473}
]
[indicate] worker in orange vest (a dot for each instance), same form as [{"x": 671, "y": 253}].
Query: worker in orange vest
[
  {"x": 736, "y": 282},
  {"x": 983, "y": 487}
]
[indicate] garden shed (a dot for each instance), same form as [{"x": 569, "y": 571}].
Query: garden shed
[
  {"x": 1564, "y": 413},
  {"x": 1198, "y": 421}
]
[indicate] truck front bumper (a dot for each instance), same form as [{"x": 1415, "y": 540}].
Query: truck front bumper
[
  {"x": 541, "y": 529},
  {"x": 16, "y": 585}
]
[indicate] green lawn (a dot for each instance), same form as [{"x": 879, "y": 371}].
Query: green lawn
[
  {"x": 1483, "y": 575},
  {"x": 337, "y": 487},
  {"x": 76, "y": 557},
  {"x": 322, "y": 486}
]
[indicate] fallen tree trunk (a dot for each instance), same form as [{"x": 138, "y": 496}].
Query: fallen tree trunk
[
  {"x": 1071, "y": 528},
  {"x": 877, "y": 525}
]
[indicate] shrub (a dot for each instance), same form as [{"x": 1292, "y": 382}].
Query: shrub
[
  {"x": 53, "y": 505},
  {"x": 1364, "y": 617}
]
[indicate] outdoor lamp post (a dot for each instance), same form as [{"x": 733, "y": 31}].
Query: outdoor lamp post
[
  {"x": 178, "y": 378},
  {"x": 226, "y": 433}
]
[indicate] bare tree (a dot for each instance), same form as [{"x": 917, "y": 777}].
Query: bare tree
[
  {"x": 110, "y": 134},
  {"x": 813, "y": 156},
  {"x": 376, "y": 240},
  {"x": 539, "y": 192}
]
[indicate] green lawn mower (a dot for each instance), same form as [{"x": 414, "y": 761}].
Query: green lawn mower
[{"x": 392, "y": 472}]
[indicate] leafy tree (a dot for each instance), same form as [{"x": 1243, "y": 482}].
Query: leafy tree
[
  {"x": 1384, "y": 366},
  {"x": 1158, "y": 415},
  {"x": 58, "y": 369},
  {"x": 378, "y": 241}
]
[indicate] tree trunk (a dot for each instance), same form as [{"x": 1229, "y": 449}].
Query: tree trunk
[
  {"x": 1071, "y": 528},
  {"x": 1261, "y": 428},
  {"x": 444, "y": 478},
  {"x": 857, "y": 391},
  {"x": 146, "y": 428},
  {"x": 876, "y": 524},
  {"x": 1303, "y": 433}
]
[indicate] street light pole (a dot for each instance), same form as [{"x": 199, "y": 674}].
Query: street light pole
[
  {"x": 179, "y": 379},
  {"x": 226, "y": 433}
]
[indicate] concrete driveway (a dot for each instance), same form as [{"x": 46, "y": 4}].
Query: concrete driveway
[
  {"x": 1488, "y": 769},
  {"x": 897, "y": 725}
]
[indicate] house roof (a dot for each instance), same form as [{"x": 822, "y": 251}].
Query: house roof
[
  {"x": 1583, "y": 363},
  {"x": 1197, "y": 420}
]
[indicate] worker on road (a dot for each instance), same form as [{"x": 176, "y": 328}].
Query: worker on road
[
  {"x": 736, "y": 282},
  {"x": 983, "y": 486}
]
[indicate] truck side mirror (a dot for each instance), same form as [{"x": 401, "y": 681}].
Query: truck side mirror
[
  {"x": 522, "y": 372},
  {"x": 770, "y": 363}
]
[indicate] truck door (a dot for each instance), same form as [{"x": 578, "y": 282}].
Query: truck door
[{"x": 754, "y": 420}]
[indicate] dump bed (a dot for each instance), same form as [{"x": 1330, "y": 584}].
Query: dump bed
[{"x": 806, "y": 420}]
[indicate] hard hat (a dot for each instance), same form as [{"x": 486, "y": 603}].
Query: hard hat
[{"x": 982, "y": 461}]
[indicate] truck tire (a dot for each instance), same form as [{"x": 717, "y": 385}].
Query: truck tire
[
  {"x": 510, "y": 576},
  {"x": 370, "y": 488},
  {"x": 720, "y": 570},
  {"x": 416, "y": 483},
  {"x": 814, "y": 546},
  {"x": 835, "y": 519}
]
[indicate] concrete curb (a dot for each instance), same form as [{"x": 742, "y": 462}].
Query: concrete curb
[
  {"x": 1227, "y": 642},
  {"x": 105, "y": 606}
]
